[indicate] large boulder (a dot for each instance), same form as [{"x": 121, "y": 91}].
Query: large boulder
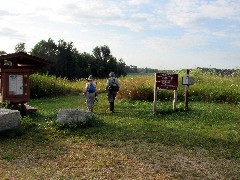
[
  {"x": 9, "y": 119},
  {"x": 68, "y": 116}
]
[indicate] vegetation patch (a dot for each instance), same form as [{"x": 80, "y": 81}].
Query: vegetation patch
[
  {"x": 131, "y": 143},
  {"x": 208, "y": 87}
]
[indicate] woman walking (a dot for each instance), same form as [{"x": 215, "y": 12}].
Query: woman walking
[{"x": 90, "y": 92}]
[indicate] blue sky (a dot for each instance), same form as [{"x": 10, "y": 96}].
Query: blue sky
[{"x": 161, "y": 34}]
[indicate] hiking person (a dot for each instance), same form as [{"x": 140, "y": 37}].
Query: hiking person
[
  {"x": 90, "y": 92},
  {"x": 112, "y": 86}
]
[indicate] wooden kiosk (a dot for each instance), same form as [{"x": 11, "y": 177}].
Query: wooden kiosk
[{"x": 14, "y": 77}]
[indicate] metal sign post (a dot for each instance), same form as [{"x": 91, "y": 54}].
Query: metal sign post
[
  {"x": 155, "y": 96},
  {"x": 186, "y": 91},
  {"x": 187, "y": 81}
]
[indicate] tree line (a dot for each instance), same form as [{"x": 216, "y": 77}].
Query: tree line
[{"x": 68, "y": 62}]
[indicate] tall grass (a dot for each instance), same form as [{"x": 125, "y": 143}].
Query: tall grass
[
  {"x": 136, "y": 88},
  {"x": 208, "y": 87},
  {"x": 42, "y": 85},
  {"x": 47, "y": 86}
]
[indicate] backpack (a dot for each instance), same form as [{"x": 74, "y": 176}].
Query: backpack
[
  {"x": 114, "y": 86},
  {"x": 91, "y": 88}
]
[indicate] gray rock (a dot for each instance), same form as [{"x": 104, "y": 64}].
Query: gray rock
[
  {"x": 9, "y": 119},
  {"x": 73, "y": 116}
]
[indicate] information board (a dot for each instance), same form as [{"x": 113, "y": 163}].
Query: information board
[
  {"x": 15, "y": 84},
  {"x": 187, "y": 81},
  {"x": 166, "y": 81}
]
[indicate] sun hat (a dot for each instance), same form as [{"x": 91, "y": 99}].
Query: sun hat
[
  {"x": 90, "y": 78},
  {"x": 111, "y": 74}
]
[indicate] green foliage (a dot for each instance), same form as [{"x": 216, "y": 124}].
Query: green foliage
[
  {"x": 48, "y": 86},
  {"x": 69, "y": 63},
  {"x": 208, "y": 87},
  {"x": 42, "y": 85},
  {"x": 2, "y": 52},
  {"x": 218, "y": 88},
  {"x": 206, "y": 125},
  {"x": 5, "y": 105},
  {"x": 20, "y": 47},
  {"x": 206, "y": 136},
  {"x": 136, "y": 88}
]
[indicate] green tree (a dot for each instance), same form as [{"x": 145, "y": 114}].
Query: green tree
[
  {"x": 85, "y": 64},
  {"x": 2, "y": 52},
  {"x": 121, "y": 68},
  {"x": 47, "y": 50},
  {"x": 97, "y": 53},
  {"x": 105, "y": 61},
  {"x": 66, "y": 63},
  {"x": 20, "y": 47},
  {"x": 105, "y": 51}
]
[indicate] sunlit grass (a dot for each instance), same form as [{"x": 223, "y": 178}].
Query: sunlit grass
[
  {"x": 132, "y": 143},
  {"x": 208, "y": 87}
]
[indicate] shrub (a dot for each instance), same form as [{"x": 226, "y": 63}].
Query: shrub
[{"x": 48, "y": 86}]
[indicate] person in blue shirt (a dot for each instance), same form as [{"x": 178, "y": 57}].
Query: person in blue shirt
[{"x": 90, "y": 92}]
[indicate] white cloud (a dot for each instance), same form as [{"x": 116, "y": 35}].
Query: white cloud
[
  {"x": 110, "y": 13},
  {"x": 178, "y": 43},
  {"x": 187, "y": 13},
  {"x": 137, "y": 2},
  {"x": 7, "y": 32},
  {"x": 235, "y": 44}
]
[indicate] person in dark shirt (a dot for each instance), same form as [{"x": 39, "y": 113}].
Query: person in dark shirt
[{"x": 112, "y": 86}]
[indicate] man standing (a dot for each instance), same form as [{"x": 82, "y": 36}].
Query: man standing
[{"x": 112, "y": 86}]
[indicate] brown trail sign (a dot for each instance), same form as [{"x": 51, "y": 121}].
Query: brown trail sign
[{"x": 168, "y": 82}]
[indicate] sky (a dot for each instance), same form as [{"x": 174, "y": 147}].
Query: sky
[{"x": 158, "y": 34}]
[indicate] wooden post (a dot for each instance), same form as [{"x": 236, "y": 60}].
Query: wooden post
[
  {"x": 155, "y": 96},
  {"x": 174, "y": 100},
  {"x": 186, "y": 91}
]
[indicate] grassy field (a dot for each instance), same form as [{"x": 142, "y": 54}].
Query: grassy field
[
  {"x": 208, "y": 87},
  {"x": 132, "y": 143}
]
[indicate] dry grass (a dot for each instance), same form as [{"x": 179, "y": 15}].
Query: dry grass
[{"x": 83, "y": 159}]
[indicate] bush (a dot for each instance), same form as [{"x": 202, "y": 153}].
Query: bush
[{"x": 48, "y": 86}]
